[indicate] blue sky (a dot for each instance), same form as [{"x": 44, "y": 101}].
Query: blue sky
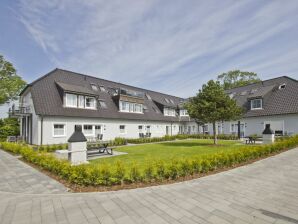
[{"x": 168, "y": 46}]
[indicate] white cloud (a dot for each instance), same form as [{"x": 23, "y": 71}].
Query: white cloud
[{"x": 172, "y": 46}]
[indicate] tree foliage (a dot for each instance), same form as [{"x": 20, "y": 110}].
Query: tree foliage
[
  {"x": 10, "y": 82},
  {"x": 9, "y": 127},
  {"x": 212, "y": 104},
  {"x": 237, "y": 78}
]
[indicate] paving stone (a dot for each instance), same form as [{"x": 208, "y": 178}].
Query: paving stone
[{"x": 263, "y": 192}]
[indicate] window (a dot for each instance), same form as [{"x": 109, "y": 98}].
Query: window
[
  {"x": 59, "y": 130},
  {"x": 90, "y": 102},
  {"x": 94, "y": 87},
  {"x": 81, "y": 101},
  {"x": 169, "y": 112},
  {"x": 122, "y": 129},
  {"x": 88, "y": 130},
  {"x": 71, "y": 100},
  {"x": 97, "y": 130},
  {"x": 282, "y": 86},
  {"x": 102, "y": 88},
  {"x": 148, "y": 96},
  {"x": 130, "y": 107},
  {"x": 140, "y": 128},
  {"x": 256, "y": 104},
  {"x": 102, "y": 104},
  {"x": 183, "y": 112},
  {"x": 148, "y": 129}
]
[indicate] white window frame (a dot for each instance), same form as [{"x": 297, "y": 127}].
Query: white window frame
[
  {"x": 257, "y": 108},
  {"x": 53, "y": 129},
  {"x": 86, "y": 102},
  {"x": 122, "y": 133},
  {"x": 141, "y": 130},
  {"x": 183, "y": 113},
  {"x": 78, "y": 99},
  {"x": 93, "y": 130},
  {"x": 67, "y": 102},
  {"x": 166, "y": 112},
  {"x": 129, "y": 107}
]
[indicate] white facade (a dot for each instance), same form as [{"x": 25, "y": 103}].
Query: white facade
[{"x": 280, "y": 124}]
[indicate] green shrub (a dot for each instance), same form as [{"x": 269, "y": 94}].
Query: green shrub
[
  {"x": 134, "y": 174},
  {"x": 149, "y": 172},
  {"x": 161, "y": 170}
]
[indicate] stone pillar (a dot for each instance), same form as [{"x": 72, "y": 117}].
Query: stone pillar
[
  {"x": 77, "y": 147},
  {"x": 268, "y": 135}
]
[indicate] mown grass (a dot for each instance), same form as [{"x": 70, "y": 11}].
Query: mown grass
[{"x": 141, "y": 154}]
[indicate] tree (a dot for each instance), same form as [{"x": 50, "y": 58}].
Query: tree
[
  {"x": 9, "y": 127},
  {"x": 237, "y": 78},
  {"x": 10, "y": 82},
  {"x": 211, "y": 105}
]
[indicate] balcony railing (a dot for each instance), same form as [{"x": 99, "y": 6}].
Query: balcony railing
[{"x": 19, "y": 111}]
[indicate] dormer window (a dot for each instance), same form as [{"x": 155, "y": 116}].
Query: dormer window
[
  {"x": 169, "y": 112},
  {"x": 256, "y": 104},
  {"x": 94, "y": 87},
  {"x": 130, "y": 107},
  {"x": 183, "y": 112},
  {"x": 102, "y": 88},
  {"x": 148, "y": 96},
  {"x": 71, "y": 100},
  {"x": 282, "y": 86},
  {"x": 102, "y": 104},
  {"x": 90, "y": 102}
]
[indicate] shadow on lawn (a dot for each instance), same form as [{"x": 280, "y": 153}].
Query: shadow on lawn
[{"x": 186, "y": 144}]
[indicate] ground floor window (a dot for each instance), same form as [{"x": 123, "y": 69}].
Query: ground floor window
[
  {"x": 88, "y": 129},
  {"x": 98, "y": 130},
  {"x": 140, "y": 128},
  {"x": 122, "y": 129},
  {"x": 59, "y": 130},
  {"x": 148, "y": 129}
]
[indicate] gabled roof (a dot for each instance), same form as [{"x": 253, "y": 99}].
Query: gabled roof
[
  {"x": 276, "y": 101},
  {"x": 48, "y": 101}
]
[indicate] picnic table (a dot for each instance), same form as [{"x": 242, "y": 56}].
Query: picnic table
[
  {"x": 101, "y": 146},
  {"x": 250, "y": 140}
]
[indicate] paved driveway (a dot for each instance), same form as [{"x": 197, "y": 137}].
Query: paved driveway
[{"x": 263, "y": 192}]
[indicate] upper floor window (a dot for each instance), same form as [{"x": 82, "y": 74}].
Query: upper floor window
[
  {"x": 169, "y": 112},
  {"x": 90, "y": 102},
  {"x": 256, "y": 104},
  {"x": 183, "y": 112},
  {"x": 130, "y": 107},
  {"x": 79, "y": 101},
  {"x": 102, "y": 89},
  {"x": 71, "y": 100},
  {"x": 102, "y": 104},
  {"x": 94, "y": 87}
]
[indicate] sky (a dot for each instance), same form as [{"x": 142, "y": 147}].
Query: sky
[{"x": 171, "y": 46}]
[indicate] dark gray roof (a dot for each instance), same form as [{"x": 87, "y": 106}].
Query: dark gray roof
[
  {"x": 47, "y": 98},
  {"x": 275, "y": 101}
]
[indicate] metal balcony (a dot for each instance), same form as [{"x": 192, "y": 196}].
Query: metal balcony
[{"x": 20, "y": 111}]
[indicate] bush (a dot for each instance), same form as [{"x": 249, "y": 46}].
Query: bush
[{"x": 104, "y": 174}]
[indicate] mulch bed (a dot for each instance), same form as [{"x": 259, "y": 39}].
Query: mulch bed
[{"x": 79, "y": 188}]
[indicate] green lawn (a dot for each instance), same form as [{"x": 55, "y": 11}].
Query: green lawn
[{"x": 167, "y": 150}]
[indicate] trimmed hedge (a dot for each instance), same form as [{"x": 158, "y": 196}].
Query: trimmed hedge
[
  {"x": 179, "y": 137},
  {"x": 154, "y": 171}
]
